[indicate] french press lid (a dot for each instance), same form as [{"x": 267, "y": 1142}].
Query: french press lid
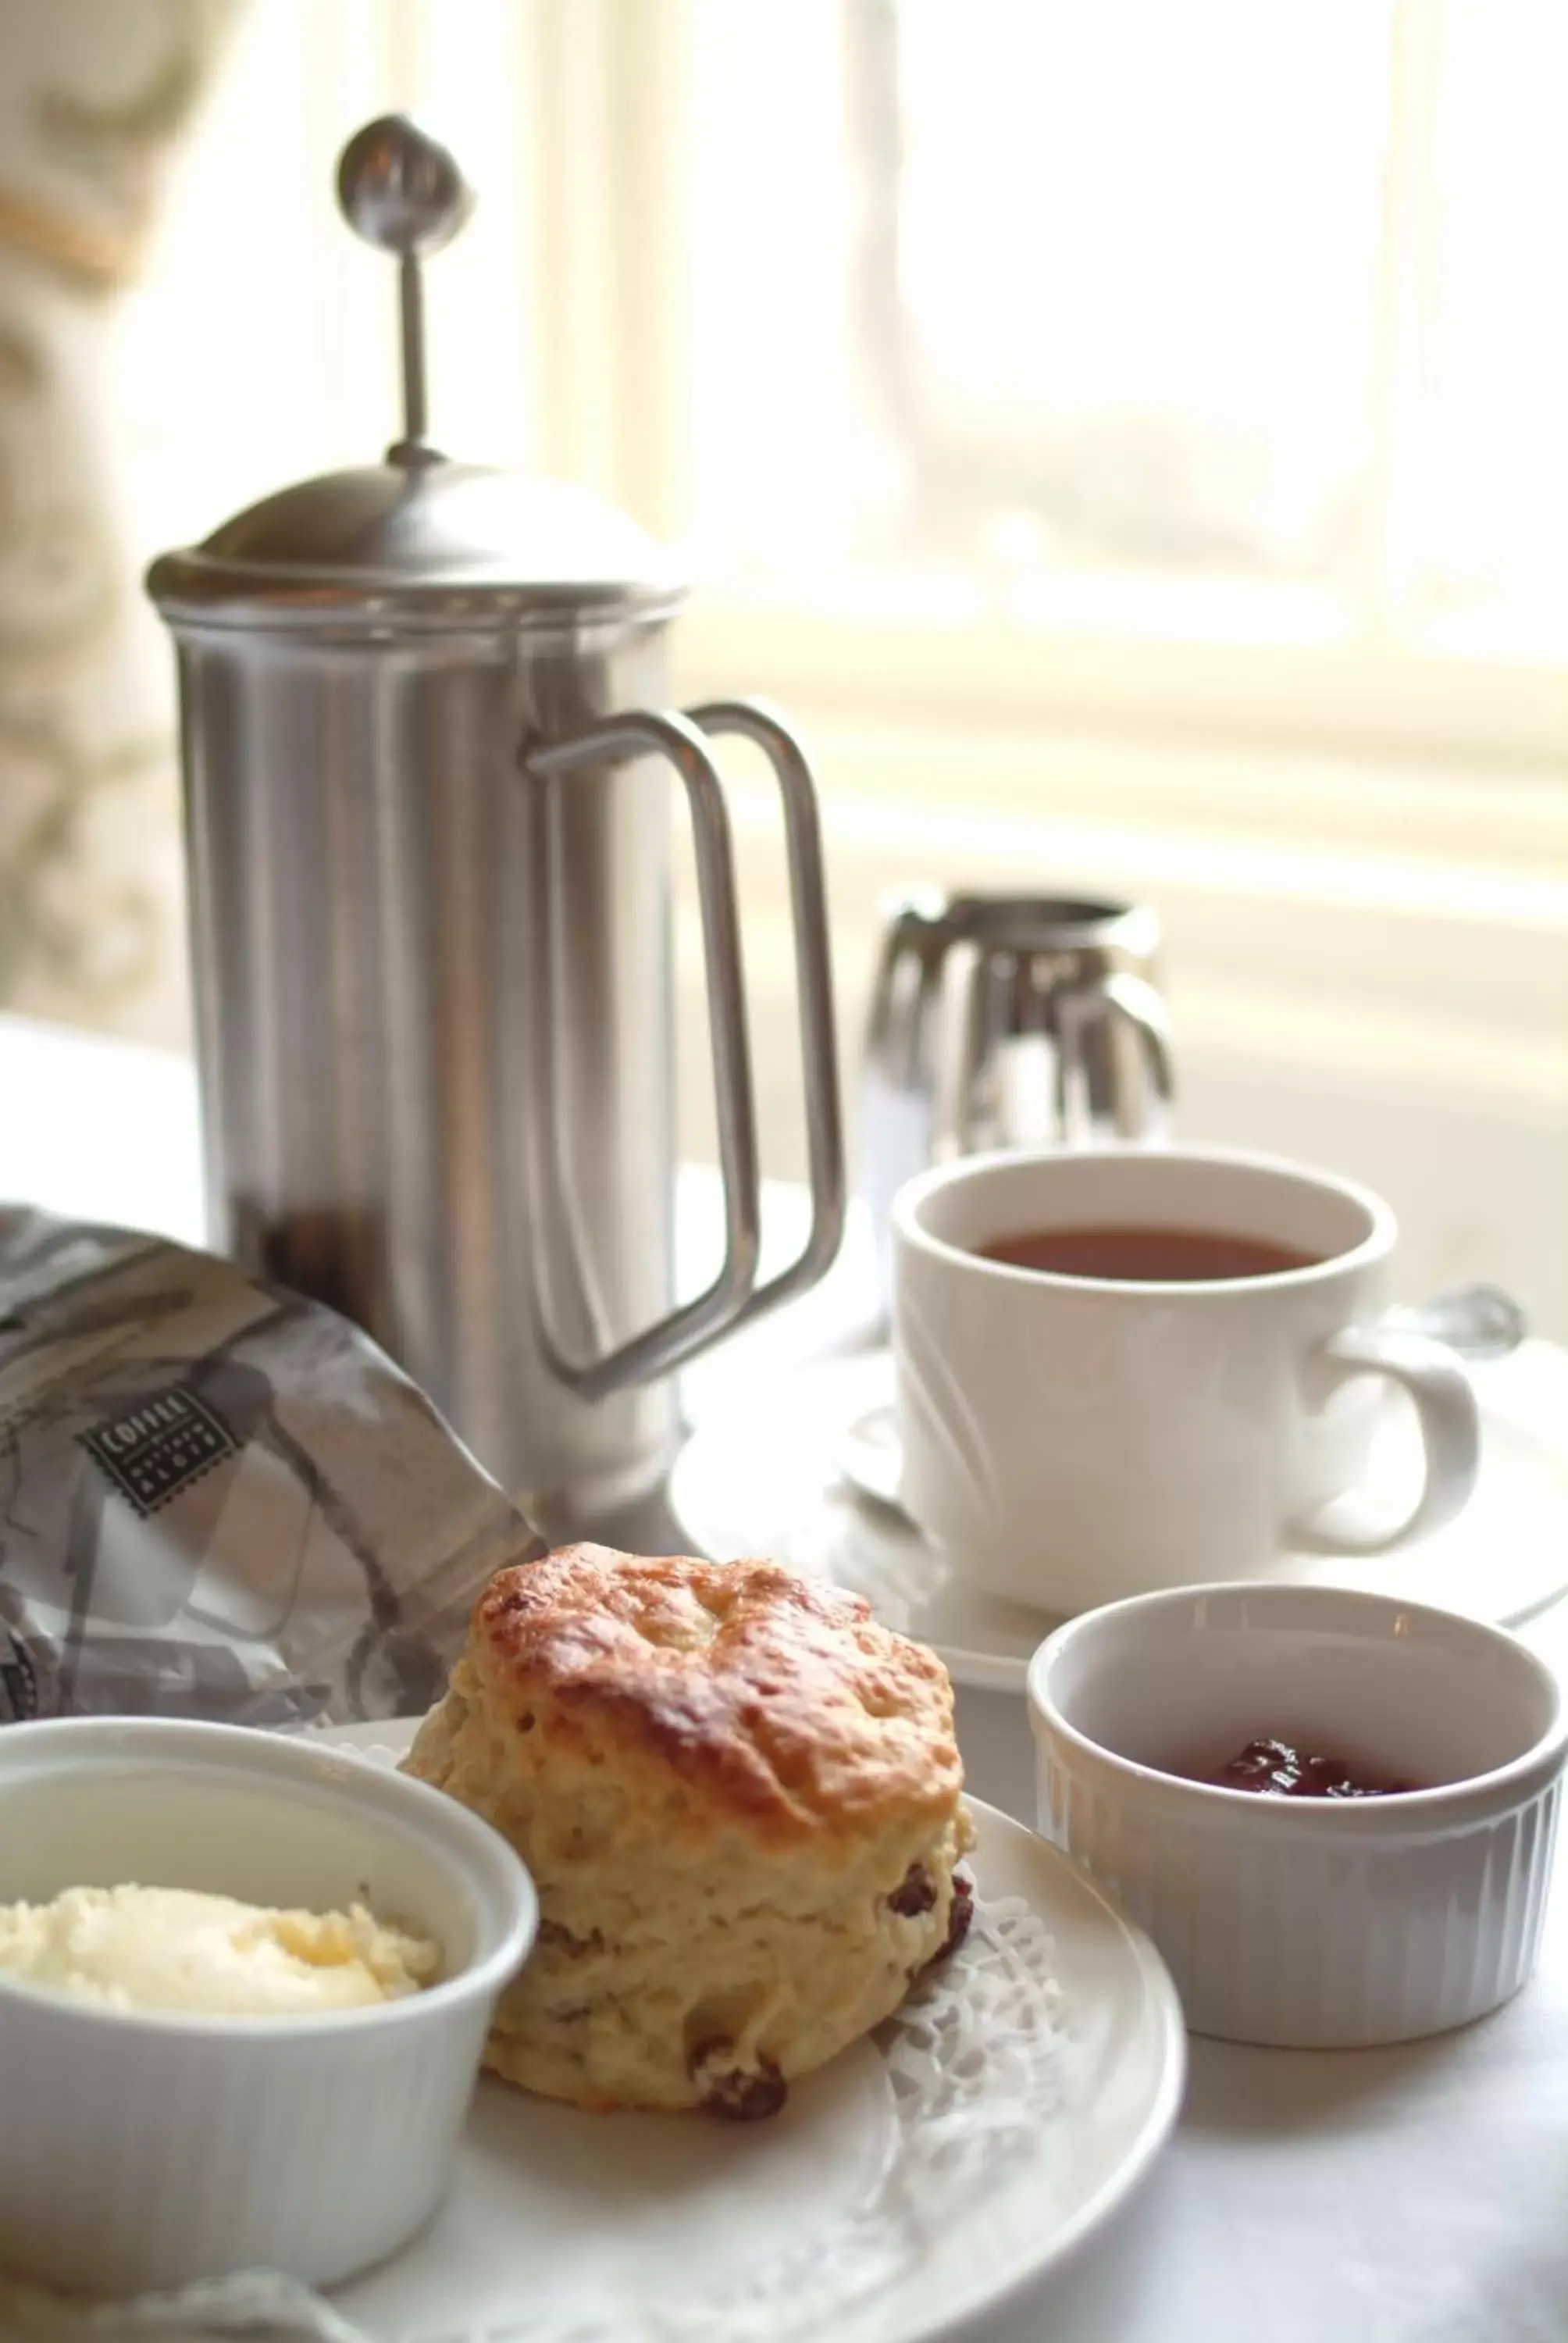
[{"x": 416, "y": 538}]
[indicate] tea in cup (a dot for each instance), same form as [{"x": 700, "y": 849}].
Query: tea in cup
[{"x": 1121, "y": 1368}]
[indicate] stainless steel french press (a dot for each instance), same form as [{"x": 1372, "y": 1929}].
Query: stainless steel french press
[{"x": 424, "y": 717}]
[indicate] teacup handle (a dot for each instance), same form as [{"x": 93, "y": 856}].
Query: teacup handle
[{"x": 1447, "y": 1412}]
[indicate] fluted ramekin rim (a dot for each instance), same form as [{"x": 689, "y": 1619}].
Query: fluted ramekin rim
[{"x": 1432, "y": 1812}]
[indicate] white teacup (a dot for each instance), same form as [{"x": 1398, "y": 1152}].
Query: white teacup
[{"x": 1069, "y": 1439}]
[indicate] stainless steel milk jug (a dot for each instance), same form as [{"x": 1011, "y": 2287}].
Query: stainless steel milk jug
[
  {"x": 425, "y": 745},
  {"x": 1009, "y": 1020}
]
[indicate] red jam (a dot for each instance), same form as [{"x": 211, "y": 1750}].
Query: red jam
[{"x": 1275, "y": 1770}]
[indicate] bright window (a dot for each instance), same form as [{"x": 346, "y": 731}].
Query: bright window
[{"x": 1206, "y": 319}]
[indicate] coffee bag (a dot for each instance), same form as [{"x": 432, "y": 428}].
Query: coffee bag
[{"x": 219, "y": 1499}]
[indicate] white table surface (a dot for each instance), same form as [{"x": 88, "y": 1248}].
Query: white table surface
[{"x": 1409, "y": 2196}]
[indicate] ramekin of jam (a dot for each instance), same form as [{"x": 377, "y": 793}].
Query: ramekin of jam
[{"x": 1303, "y": 1892}]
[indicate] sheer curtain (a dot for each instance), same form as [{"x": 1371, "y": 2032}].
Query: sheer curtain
[{"x": 96, "y": 98}]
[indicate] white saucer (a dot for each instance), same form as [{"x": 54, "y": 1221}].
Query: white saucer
[
  {"x": 918, "y": 2181},
  {"x": 774, "y": 1481}
]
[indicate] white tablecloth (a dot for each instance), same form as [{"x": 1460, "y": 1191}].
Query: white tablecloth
[{"x": 1409, "y": 2195}]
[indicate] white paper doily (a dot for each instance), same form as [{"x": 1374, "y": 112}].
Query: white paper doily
[
  {"x": 1001, "y": 2112},
  {"x": 971, "y": 2064}
]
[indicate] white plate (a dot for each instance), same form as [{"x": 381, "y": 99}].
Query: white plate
[
  {"x": 917, "y": 2181},
  {"x": 774, "y": 1482}
]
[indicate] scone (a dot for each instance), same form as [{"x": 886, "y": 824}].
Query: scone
[{"x": 739, "y": 1799}]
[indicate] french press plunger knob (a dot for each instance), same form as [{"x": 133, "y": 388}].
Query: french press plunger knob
[{"x": 401, "y": 190}]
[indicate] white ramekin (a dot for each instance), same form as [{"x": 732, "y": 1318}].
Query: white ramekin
[
  {"x": 1310, "y": 1922},
  {"x": 141, "y": 2151}
]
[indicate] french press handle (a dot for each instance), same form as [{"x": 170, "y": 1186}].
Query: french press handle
[{"x": 733, "y": 1296}]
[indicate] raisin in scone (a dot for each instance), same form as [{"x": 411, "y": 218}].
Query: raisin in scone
[{"x": 740, "y": 1801}]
